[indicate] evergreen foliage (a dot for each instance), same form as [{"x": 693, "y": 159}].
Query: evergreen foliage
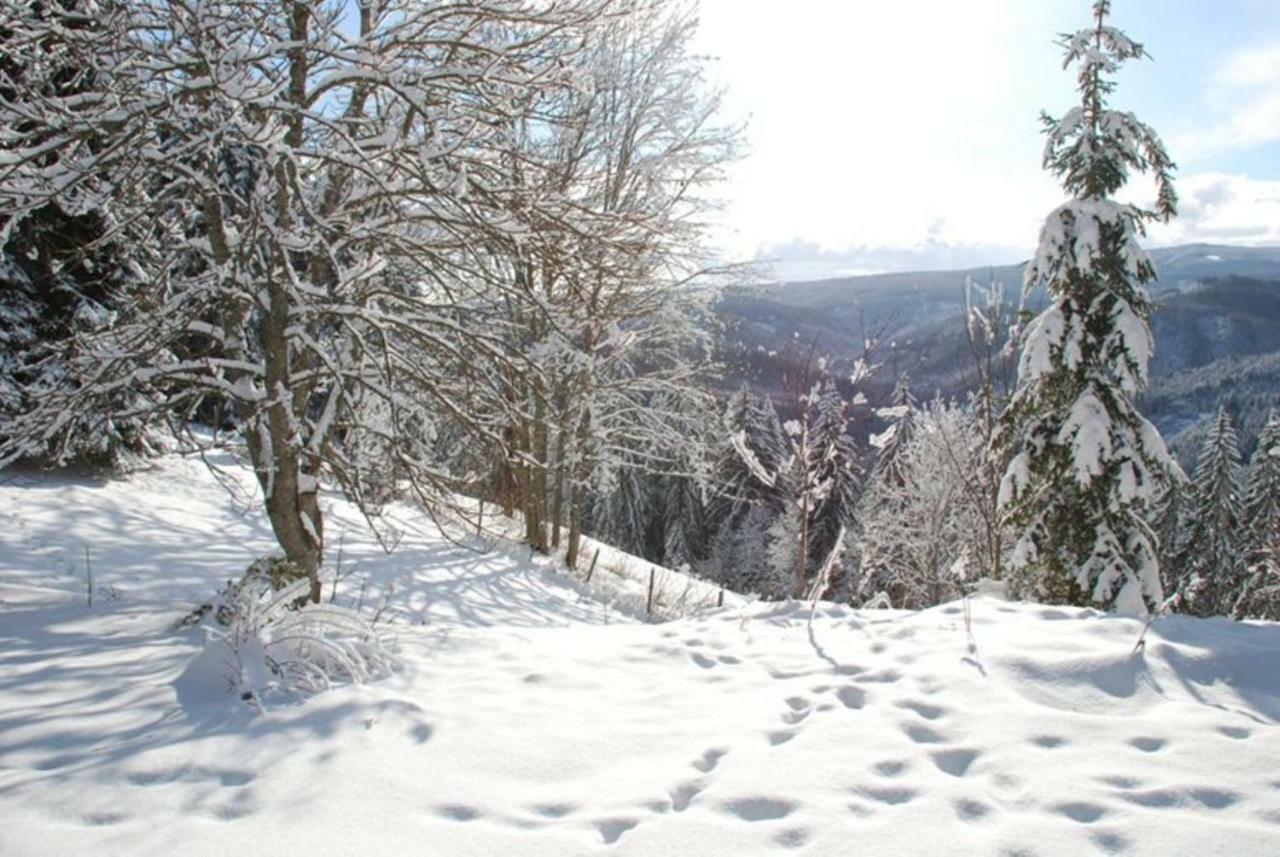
[
  {"x": 1211, "y": 557},
  {"x": 1085, "y": 464}
]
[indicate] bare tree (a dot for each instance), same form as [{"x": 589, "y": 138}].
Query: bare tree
[{"x": 308, "y": 184}]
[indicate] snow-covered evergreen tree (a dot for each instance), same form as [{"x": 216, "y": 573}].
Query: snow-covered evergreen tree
[
  {"x": 1262, "y": 494},
  {"x": 1212, "y": 558},
  {"x": 889, "y": 444},
  {"x": 1260, "y": 593},
  {"x": 1085, "y": 464},
  {"x": 60, "y": 275},
  {"x": 1169, "y": 515}
]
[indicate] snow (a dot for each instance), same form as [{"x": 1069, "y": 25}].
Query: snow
[{"x": 530, "y": 718}]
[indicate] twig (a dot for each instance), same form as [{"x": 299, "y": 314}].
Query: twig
[
  {"x": 1169, "y": 603},
  {"x": 337, "y": 572}
]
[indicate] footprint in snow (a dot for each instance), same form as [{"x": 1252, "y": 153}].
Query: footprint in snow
[
  {"x": 891, "y": 795},
  {"x": 702, "y": 660},
  {"x": 793, "y": 837},
  {"x": 458, "y": 812},
  {"x": 1049, "y": 742},
  {"x": 955, "y": 762},
  {"x": 852, "y": 696},
  {"x": 891, "y": 767},
  {"x": 1081, "y": 812},
  {"x": 554, "y": 810},
  {"x": 710, "y": 759},
  {"x": 682, "y": 795},
  {"x": 1148, "y": 745},
  {"x": 611, "y": 829},
  {"x": 103, "y": 819},
  {"x": 1236, "y": 732},
  {"x": 1111, "y": 843},
  {"x": 1210, "y": 798},
  {"x": 970, "y": 810},
  {"x": 759, "y": 808},
  {"x": 924, "y": 709},
  {"x": 922, "y": 734}
]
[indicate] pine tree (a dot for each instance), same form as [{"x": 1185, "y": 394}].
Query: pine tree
[
  {"x": 1212, "y": 559},
  {"x": 839, "y": 471},
  {"x": 60, "y": 273},
  {"x": 1168, "y": 519},
  {"x": 1262, "y": 496},
  {"x": 1085, "y": 463},
  {"x": 891, "y": 442},
  {"x": 1260, "y": 593}
]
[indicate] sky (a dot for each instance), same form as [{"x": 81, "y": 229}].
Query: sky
[{"x": 904, "y": 135}]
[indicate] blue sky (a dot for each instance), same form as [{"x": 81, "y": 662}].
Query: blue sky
[{"x": 889, "y": 136}]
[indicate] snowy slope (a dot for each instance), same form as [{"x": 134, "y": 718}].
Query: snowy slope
[{"x": 531, "y": 719}]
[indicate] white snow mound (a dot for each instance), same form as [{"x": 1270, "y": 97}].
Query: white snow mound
[{"x": 529, "y": 719}]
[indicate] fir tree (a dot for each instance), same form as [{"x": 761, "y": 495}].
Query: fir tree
[
  {"x": 1168, "y": 519},
  {"x": 1260, "y": 593},
  {"x": 1262, "y": 496},
  {"x": 1085, "y": 463},
  {"x": 1211, "y": 557},
  {"x": 891, "y": 442}
]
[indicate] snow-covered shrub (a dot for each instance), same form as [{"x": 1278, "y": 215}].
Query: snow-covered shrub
[{"x": 264, "y": 645}]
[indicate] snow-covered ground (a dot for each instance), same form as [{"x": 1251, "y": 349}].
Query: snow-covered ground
[{"x": 531, "y": 718}]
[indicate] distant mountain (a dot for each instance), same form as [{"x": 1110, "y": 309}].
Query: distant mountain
[{"x": 1218, "y": 311}]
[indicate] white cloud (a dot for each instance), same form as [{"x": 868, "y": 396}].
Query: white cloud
[
  {"x": 1243, "y": 105},
  {"x": 1223, "y": 209}
]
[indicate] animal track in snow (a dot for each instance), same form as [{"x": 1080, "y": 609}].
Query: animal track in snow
[
  {"x": 1148, "y": 745},
  {"x": 682, "y": 795},
  {"x": 926, "y": 710},
  {"x": 710, "y": 758},
  {"x": 922, "y": 734},
  {"x": 970, "y": 810},
  {"x": 852, "y": 696},
  {"x": 1111, "y": 843},
  {"x": 955, "y": 762},
  {"x": 891, "y": 767},
  {"x": 888, "y": 794},
  {"x": 458, "y": 812},
  {"x": 792, "y": 837},
  {"x": 611, "y": 829},
  {"x": 759, "y": 808},
  {"x": 882, "y": 677},
  {"x": 1080, "y": 811},
  {"x": 1167, "y": 798}
]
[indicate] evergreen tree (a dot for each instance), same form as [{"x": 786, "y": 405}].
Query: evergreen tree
[
  {"x": 1262, "y": 496},
  {"x": 1211, "y": 558},
  {"x": 839, "y": 471},
  {"x": 1085, "y": 463},
  {"x": 1168, "y": 519},
  {"x": 1260, "y": 594},
  {"x": 61, "y": 273},
  {"x": 891, "y": 442}
]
